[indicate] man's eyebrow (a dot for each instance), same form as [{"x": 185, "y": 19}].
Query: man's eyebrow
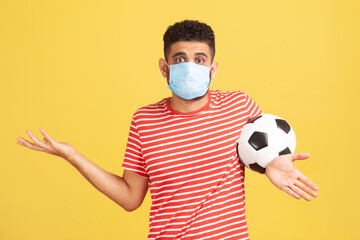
[
  {"x": 201, "y": 53},
  {"x": 178, "y": 53},
  {"x": 196, "y": 54}
]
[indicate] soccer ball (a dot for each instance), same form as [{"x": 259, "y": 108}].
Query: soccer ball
[{"x": 264, "y": 138}]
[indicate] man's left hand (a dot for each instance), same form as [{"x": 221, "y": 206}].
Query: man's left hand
[{"x": 283, "y": 174}]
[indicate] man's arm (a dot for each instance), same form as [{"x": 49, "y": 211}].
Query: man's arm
[{"x": 128, "y": 191}]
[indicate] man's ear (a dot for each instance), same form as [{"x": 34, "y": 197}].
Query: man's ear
[
  {"x": 163, "y": 67},
  {"x": 213, "y": 70}
]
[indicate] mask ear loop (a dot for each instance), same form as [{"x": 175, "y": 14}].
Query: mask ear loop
[{"x": 167, "y": 64}]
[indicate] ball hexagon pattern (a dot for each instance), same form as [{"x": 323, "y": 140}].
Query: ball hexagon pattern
[{"x": 264, "y": 138}]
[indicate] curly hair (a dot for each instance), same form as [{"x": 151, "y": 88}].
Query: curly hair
[{"x": 189, "y": 30}]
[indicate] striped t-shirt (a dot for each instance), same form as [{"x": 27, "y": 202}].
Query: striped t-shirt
[{"x": 195, "y": 178}]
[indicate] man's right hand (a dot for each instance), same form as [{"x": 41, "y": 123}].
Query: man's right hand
[
  {"x": 128, "y": 191},
  {"x": 61, "y": 149}
]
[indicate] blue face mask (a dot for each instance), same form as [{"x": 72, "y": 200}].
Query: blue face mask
[{"x": 189, "y": 80}]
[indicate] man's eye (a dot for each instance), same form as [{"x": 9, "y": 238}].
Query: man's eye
[
  {"x": 199, "y": 61},
  {"x": 179, "y": 60}
]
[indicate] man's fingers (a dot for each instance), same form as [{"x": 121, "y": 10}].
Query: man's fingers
[
  {"x": 298, "y": 191},
  {"x": 35, "y": 140},
  {"x": 300, "y": 156},
  {"x": 28, "y": 144},
  {"x": 308, "y": 182},
  {"x": 47, "y": 138},
  {"x": 291, "y": 192},
  {"x": 306, "y": 188}
]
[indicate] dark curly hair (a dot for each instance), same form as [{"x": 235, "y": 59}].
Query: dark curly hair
[{"x": 189, "y": 30}]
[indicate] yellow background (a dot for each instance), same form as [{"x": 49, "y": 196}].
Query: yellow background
[{"x": 79, "y": 69}]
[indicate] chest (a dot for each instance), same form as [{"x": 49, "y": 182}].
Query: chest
[{"x": 191, "y": 148}]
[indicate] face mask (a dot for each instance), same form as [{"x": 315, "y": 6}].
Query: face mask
[{"x": 189, "y": 80}]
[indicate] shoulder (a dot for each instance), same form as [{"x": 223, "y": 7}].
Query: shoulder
[
  {"x": 150, "y": 110},
  {"x": 219, "y": 95}
]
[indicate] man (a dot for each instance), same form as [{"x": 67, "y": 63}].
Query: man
[{"x": 182, "y": 149}]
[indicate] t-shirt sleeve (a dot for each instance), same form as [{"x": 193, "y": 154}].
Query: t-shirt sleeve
[
  {"x": 253, "y": 109},
  {"x": 133, "y": 159}
]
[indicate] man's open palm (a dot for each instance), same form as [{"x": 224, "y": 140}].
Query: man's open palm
[
  {"x": 49, "y": 145},
  {"x": 283, "y": 174}
]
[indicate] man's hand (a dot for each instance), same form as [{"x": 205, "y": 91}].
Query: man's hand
[
  {"x": 283, "y": 174},
  {"x": 128, "y": 191},
  {"x": 49, "y": 145}
]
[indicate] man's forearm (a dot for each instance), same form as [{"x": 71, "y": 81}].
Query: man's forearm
[{"x": 113, "y": 186}]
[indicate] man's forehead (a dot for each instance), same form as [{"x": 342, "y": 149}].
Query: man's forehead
[{"x": 189, "y": 47}]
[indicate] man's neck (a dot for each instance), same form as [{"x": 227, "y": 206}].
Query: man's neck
[{"x": 185, "y": 106}]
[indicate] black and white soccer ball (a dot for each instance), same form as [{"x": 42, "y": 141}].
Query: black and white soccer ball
[{"x": 264, "y": 138}]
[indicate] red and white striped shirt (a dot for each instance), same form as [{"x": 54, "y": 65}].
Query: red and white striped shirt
[{"x": 195, "y": 179}]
